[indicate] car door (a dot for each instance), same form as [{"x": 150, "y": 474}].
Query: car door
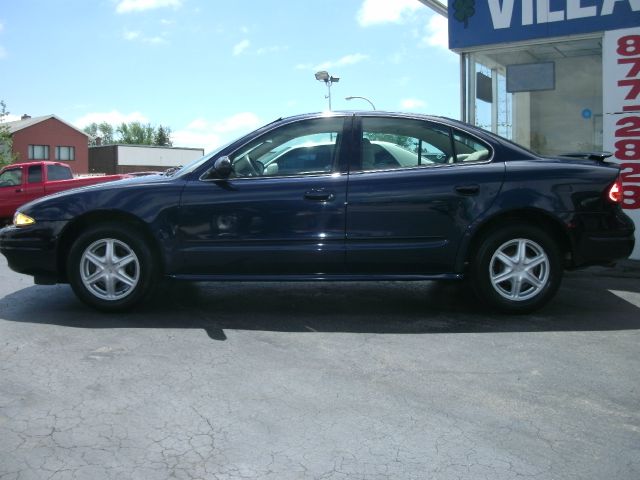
[
  {"x": 413, "y": 191},
  {"x": 282, "y": 210},
  {"x": 17, "y": 190}
]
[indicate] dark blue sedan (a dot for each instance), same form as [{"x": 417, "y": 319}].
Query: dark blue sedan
[{"x": 346, "y": 196}]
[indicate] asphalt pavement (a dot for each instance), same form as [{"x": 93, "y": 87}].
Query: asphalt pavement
[{"x": 281, "y": 381}]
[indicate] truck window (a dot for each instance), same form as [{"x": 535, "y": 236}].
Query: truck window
[
  {"x": 11, "y": 177},
  {"x": 34, "y": 174},
  {"x": 58, "y": 172}
]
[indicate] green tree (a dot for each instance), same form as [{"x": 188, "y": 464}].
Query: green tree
[
  {"x": 135, "y": 133},
  {"x": 104, "y": 131},
  {"x": 91, "y": 129},
  {"x": 132, "y": 133},
  {"x": 6, "y": 140},
  {"x": 162, "y": 137}
]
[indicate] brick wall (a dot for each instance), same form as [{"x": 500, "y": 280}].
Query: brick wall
[{"x": 53, "y": 133}]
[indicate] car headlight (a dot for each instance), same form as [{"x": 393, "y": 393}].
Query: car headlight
[{"x": 22, "y": 220}]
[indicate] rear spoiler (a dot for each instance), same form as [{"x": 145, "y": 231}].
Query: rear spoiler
[{"x": 599, "y": 156}]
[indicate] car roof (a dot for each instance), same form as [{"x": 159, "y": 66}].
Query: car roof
[
  {"x": 388, "y": 114},
  {"x": 35, "y": 162},
  {"x": 374, "y": 113}
]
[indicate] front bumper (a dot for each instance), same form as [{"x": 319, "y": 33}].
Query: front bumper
[{"x": 32, "y": 250}]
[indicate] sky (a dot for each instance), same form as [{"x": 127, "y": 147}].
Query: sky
[{"x": 213, "y": 70}]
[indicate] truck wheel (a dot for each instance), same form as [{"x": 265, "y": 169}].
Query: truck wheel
[
  {"x": 517, "y": 269},
  {"x": 111, "y": 268}
]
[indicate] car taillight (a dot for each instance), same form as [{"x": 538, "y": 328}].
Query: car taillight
[{"x": 615, "y": 191}]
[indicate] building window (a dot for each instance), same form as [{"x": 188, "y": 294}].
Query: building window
[
  {"x": 38, "y": 152},
  {"x": 545, "y": 96},
  {"x": 65, "y": 153}
]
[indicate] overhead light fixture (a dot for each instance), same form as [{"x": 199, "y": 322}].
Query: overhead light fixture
[{"x": 322, "y": 76}]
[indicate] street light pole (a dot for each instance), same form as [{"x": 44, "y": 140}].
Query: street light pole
[
  {"x": 362, "y": 98},
  {"x": 323, "y": 76}
]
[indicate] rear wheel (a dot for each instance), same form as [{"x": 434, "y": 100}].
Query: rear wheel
[
  {"x": 111, "y": 268},
  {"x": 517, "y": 268}
]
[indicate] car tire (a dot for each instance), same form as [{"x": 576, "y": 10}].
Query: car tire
[
  {"x": 517, "y": 268},
  {"x": 111, "y": 267}
]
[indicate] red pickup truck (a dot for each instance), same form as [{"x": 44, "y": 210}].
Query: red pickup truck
[{"x": 22, "y": 182}]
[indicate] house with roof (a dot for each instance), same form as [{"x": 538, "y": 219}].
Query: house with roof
[{"x": 49, "y": 138}]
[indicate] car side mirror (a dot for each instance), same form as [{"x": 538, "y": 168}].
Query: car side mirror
[{"x": 223, "y": 167}]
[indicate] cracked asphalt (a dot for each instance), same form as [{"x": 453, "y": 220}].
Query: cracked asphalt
[{"x": 321, "y": 381}]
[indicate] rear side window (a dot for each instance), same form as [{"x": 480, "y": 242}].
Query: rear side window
[
  {"x": 389, "y": 143},
  {"x": 58, "y": 172},
  {"x": 35, "y": 174},
  {"x": 468, "y": 149}
]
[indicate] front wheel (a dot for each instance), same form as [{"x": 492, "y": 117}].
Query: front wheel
[
  {"x": 111, "y": 268},
  {"x": 517, "y": 269}
]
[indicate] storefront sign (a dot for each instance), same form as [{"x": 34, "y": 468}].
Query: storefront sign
[
  {"x": 483, "y": 22},
  {"x": 621, "y": 101}
]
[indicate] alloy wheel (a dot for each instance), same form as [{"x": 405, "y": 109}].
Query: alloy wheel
[
  {"x": 519, "y": 269},
  {"x": 109, "y": 269}
]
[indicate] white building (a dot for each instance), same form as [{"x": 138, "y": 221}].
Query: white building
[{"x": 112, "y": 159}]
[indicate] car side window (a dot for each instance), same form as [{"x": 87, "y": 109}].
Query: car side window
[
  {"x": 11, "y": 177},
  {"x": 468, "y": 149},
  {"x": 302, "y": 148},
  {"x": 390, "y": 143},
  {"x": 57, "y": 172},
  {"x": 34, "y": 174}
]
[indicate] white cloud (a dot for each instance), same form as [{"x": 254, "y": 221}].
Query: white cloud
[
  {"x": 131, "y": 35},
  {"x": 346, "y": 60},
  {"x": 272, "y": 49},
  {"x": 113, "y": 118},
  {"x": 208, "y": 141},
  {"x": 126, "y": 6},
  {"x": 437, "y": 32},
  {"x": 375, "y": 12},
  {"x": 241, "y": 47},
  {"x": 3, "y": 51},
  {"x": 412, "y": 104},
  {"x": 11, "y": 118},
  {"x": 198, "y": 124},
  {"x": 211, "y": 134},
  {"x": 239, "y": 121},
  {"x": 134, "y": 35},
  {"x": 154, "y": 40},
  {"x": 342, "y": 62}
]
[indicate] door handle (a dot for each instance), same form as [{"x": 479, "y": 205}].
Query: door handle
[
  {"x": 468, "y": 189},
  {"x": 19, "y": 190},
  {"x": 319, "y": 195}
]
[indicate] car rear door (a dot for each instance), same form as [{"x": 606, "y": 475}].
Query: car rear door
[
  {"x": 405, "y": 218},
  {"x": 282, "y": 211}
]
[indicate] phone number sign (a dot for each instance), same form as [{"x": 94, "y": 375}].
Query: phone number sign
[{"x": 621, "y": 98}]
